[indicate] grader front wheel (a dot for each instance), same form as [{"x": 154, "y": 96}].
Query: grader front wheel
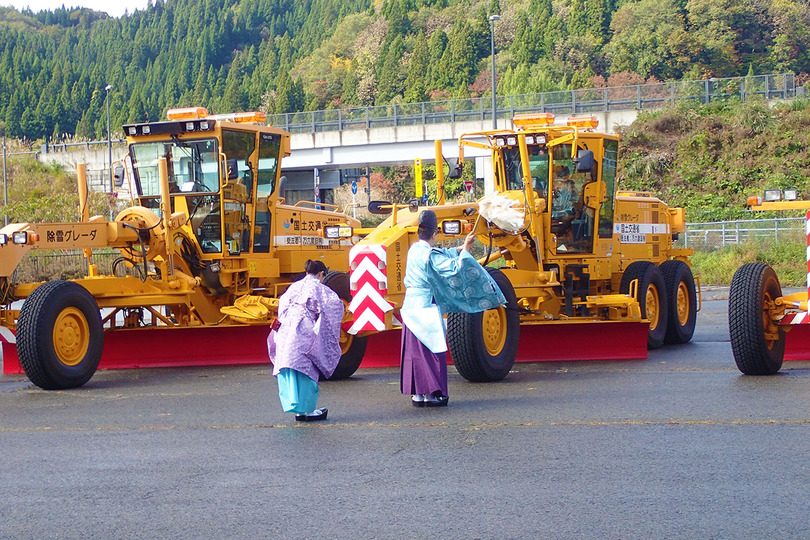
[
  {"x": 60, "y": 336},
  {"x": 757, "y": 342},
  {"x": 484, "y": 345}
]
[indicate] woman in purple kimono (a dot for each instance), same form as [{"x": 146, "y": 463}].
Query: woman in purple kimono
[
  {"x": 437, "y": 281},
  {"x": 306, "y": 345}
]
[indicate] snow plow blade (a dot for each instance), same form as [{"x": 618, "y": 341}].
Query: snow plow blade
[
  {"x": 797, "y": 343},
  {"x": 215, "y": 346}
]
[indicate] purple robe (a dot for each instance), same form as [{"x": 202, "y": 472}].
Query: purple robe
[{"x": 308, "y": 340}]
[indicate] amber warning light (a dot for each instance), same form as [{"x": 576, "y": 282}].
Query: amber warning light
[{"x": 187, "y": 113}]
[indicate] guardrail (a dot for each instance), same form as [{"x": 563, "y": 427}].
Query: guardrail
[
  {"x": 713, "y": 235},
  {"x": 586, "y": 100}
]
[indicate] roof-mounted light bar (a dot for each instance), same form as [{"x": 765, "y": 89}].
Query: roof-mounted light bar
[
  {"x": 242, "y": 117},
  {"x": 583, "y": 122},
  {"x": 533, "y": 121},
  {"x": 187, "y": 113}
]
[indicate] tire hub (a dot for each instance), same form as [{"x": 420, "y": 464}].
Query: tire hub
[
  {"x": 494, "y": 326},
  {"x": 652, "y": 308},
  {"x": 683, "y": 304},
  {"x": 71, "y": 336}
]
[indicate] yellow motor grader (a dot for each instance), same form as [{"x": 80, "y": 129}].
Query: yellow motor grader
[
  {"x": 572, "y": 252},
  {"x": 208, "y": 242}
]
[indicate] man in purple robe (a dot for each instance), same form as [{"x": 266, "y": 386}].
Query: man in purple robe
[{"x": 306, "y": 345}]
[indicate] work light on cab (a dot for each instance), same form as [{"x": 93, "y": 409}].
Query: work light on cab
[{"x": 335, "y": 232}]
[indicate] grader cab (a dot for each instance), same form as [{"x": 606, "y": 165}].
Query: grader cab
[
  {"x": 207, "y": 242},
  {"x": 565, "y": 246}
]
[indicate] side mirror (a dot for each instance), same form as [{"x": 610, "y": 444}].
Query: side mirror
[
  {"x": 232, "y": 169},
  {"x": 455, "y": 168},
  {"x": 413, "y": 205},
  {"x": 282, "y": 186},
  {"x": 594, "y": 194},
  {"x": 118, "y": 174},
  {"x": 379, "y": 207},
  {"x": 584, "y": 161}
]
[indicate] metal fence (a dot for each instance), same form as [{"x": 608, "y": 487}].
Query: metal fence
[
  {"x": 586, "y": 100},
  {"x": 714, "y": 235}
]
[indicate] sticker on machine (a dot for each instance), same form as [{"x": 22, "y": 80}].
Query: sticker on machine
[
  {"x": 296, "y": 240},
  {"x": 636, "y": 233}
]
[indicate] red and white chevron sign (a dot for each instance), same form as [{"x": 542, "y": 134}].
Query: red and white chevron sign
[
  {"x": 7, "y": 335},
  {"x": 369, "y": 285}
]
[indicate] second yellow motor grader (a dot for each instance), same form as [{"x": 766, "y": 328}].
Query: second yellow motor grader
[{"x": 565, "y": 246}]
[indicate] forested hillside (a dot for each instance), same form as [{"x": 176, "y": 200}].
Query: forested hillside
[
  {"x": 708, "y": 159},
  {"x": 284, "y": 55}
]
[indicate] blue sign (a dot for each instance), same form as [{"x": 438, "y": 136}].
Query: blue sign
[{"x": 354, "y": 187}]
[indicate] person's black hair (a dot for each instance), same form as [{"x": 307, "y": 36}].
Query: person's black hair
[
  {"x": 425, "y": 233},
  {"x": 314, "y": 267}
]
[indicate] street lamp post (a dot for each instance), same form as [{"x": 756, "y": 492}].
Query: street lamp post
[
  {"x": 492, "y": 19},
  {"x": 109, "y": 145},
  {"x": 5, "y": 177}
]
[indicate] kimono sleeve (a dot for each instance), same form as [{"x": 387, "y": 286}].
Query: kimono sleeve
[
  {"x": 328, "y": 333},
  {"x": 468, "y": 286}
]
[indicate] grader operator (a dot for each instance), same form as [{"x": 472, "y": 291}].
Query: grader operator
[
  {"x": 569, "y": 248},
  {"x": 208, "y": 242}
]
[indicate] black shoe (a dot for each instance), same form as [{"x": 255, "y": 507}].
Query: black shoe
[
  {"x": 418, "y": 400},
  {"x": 436, "y": 401},
  {"x": 315, "y": 416}
]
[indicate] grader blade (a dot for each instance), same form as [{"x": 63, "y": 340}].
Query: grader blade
[
  {"x": 797, "y": 343},
  {"x": 244, "y": 345},
  {"x": 550, "y": 342}
]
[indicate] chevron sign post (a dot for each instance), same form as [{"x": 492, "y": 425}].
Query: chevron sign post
[{"x": 369, "y": 285}]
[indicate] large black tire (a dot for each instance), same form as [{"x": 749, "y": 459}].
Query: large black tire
[
  {"x": 757, "y": 342},
  {"x": 354, "y": 348},
  {"x": 651, "y": 296},
  {"x": 60, "y": 335},
  {"x": 484, "y": 345},
  {"x": 682, "y": 299}
]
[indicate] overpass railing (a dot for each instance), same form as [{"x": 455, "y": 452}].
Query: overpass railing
[{"x": 568, "y": 102}]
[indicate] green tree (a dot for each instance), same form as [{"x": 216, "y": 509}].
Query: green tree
[
  {"x": 730, "y": 34},
  {"x": 415, "y": 83},
  {"x": 391, "y": 75},
  {"x": 650, "y": 38}
]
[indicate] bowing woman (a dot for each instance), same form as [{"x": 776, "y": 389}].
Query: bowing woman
[{"x": 306, "y": 344}]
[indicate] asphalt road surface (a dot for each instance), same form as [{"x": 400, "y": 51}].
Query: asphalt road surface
[{"x": 680, "y": 445}]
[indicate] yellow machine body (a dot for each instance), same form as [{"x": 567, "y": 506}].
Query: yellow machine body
[{"x": 208, "y": 226}]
